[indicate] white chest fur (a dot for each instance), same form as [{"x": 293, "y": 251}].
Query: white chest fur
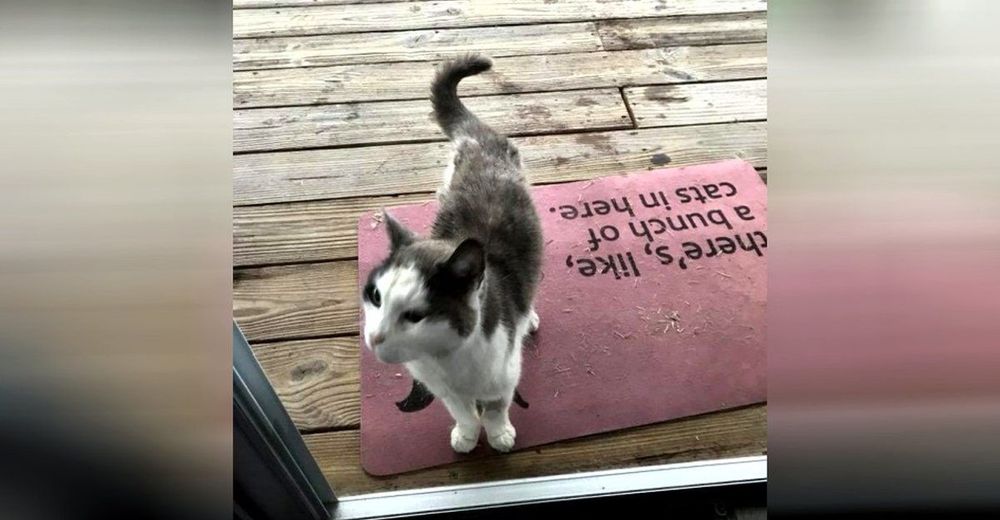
[{"x": 484, "y": 368}]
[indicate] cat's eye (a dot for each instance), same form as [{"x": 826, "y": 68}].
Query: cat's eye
[
  {"x": 375, "y": 297},
  {"x": 413, "y": 316}
]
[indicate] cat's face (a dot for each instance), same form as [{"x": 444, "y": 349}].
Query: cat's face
[{"x": 423, "y": 300}]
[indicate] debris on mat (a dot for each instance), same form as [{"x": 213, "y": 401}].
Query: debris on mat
[{"x": 377, "y": 218}]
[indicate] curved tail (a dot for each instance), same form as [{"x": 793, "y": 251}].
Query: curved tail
[{"x": 451, "y": 114}]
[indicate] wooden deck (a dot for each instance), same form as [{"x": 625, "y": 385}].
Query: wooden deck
[{"x": 332, "y": 119}]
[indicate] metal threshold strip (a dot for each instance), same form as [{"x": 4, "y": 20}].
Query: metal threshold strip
[{"x": 743, "y": 470}]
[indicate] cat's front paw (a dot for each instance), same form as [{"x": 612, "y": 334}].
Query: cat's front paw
[
  {"x": 503, "y": 439},
  {"x": 463, "y": 441},
  {"x": 533, "y": 322}
]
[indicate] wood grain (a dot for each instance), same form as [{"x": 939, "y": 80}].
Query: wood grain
[
  {"x": 411, "y": 80},
  {"x": 251, "y": 4},
  {"x": 282, "y": 128},
  {"x": 325, "y": 230},
  {"x": 334, "y": 19},
  {"x": 422, "y": 45},
  {"x": 733, "y": 433},
  {"x": 375, "y": 171},
  {"x": 731, "y": 101},
  {"x": 304, "y": 231},
  {"x": 296, "y": 301},
  {"x": 650, "y": 33},
  {"x": 317, "y": 380}
]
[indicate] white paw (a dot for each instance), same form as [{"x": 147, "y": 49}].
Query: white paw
[
  {"x": 463, "y": 441},
  {"x": 503, "y": 439},
  {"x": 533, "y": 322}
]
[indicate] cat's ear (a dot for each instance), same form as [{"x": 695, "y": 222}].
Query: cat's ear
[
  {"x": 468, "y": 261},
  {"x": 399, "y": 236}
]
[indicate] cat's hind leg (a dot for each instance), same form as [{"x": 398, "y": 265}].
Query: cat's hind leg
[
  {"x": 496, "y": 420},
  {"x": 449, "y": 172},
  {"x": 465, "y": 433},
  {"x": 533, "y": 321}
]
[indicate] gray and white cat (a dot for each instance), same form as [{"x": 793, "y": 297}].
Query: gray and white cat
[{"x": 455, "y": 307}]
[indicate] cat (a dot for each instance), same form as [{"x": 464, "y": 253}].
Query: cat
[{"x": 455, "y": 307}]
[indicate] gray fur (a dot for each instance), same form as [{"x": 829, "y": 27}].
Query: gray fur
[
  {"x": 399, "y": 236},
  {"x": 459, "y": 303},
  {"x": 487, "y": 202},
  {"x": 492, "y": 406},
  {"x": 451, "y": 114}
]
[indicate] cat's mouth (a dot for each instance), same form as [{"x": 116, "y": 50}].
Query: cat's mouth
[
  {"x": 383, "y": 353},
  {"x": 391, "y": 356}
]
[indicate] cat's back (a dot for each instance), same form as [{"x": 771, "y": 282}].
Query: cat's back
[{"x": 489, "y": 199}]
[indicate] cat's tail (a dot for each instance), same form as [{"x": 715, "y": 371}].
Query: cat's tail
[{"x": 456, "y": 120}]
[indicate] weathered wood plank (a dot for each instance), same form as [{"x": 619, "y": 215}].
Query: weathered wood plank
[
  {"x": 733, "y": 433},
  {"x": 252, "y": 4},
  {"x": 296, "y": 301},
  {"x": 326, "y": 230},
  {"x": 339, "y": 173},
  {"x": 423, "y": 45},
  {"x": 649, "y": 33},
  {"x": 373, "y": 171},
  {"x": 411, "y": 80},
  {"x": 292, "y": 21},
  {"x": 731, "y": 101},
  {"x": 316, "y": 380},
  {"x": 304, "y": 231},
  {"x": 284, "y": 128}
]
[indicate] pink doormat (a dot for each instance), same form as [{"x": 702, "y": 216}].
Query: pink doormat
[{"x": 652, "y": 308}]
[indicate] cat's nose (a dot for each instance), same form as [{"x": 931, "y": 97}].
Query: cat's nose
[{"x": 377, "y": 339}]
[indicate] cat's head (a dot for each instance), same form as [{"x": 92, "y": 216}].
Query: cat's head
[{"x": 423, "y": 300}]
